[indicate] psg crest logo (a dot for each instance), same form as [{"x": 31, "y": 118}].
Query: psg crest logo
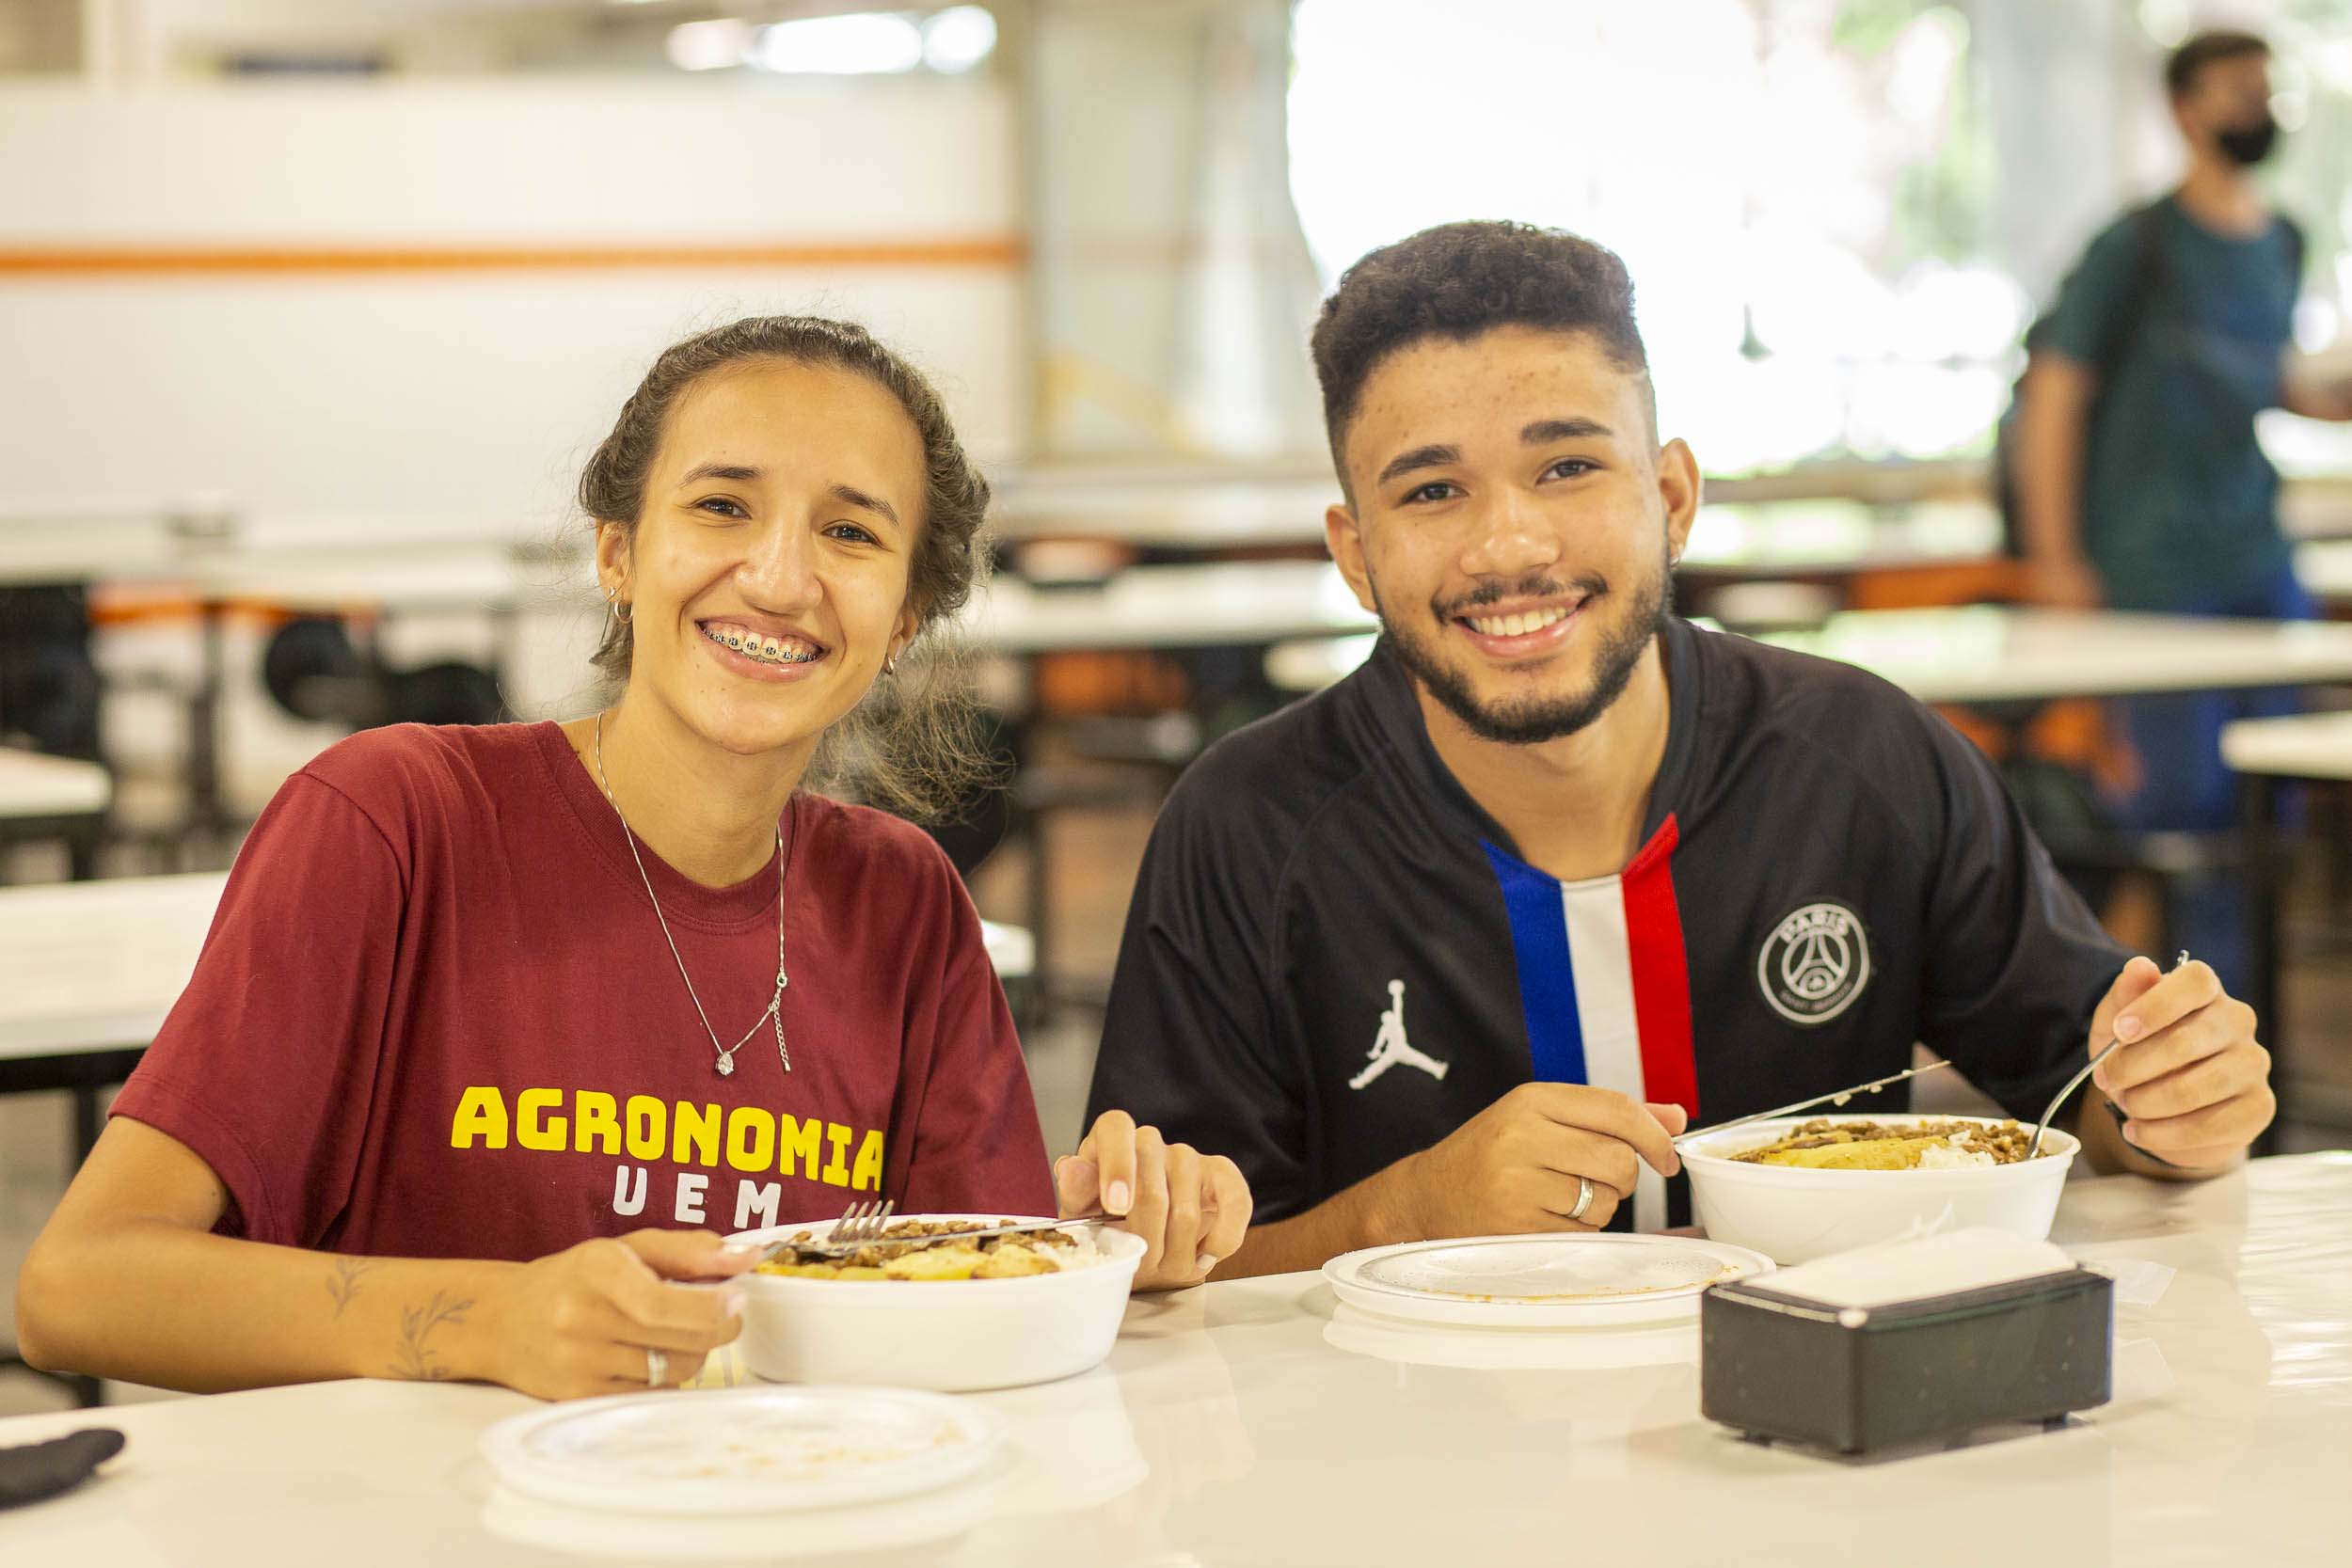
[{"x": 1815, "y": 963}]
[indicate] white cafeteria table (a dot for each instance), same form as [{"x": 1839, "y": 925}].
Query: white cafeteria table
[
  {"x": 1238, "y": 602},
  {"x": 1991, "y": 654},
  {"x": 2324, "y": 567},
  {"x": 33, "y": 785},
  {"x": 1997, "y": 654},
  {"x": 54, "y": 797},
  {"x": 88, "y": 971},
  {"x": 1257, "y": 1423},
  {"x": 2309, "y": 748},
  {"x": 1804, "y": 537},
  {"x": 1806, "y": 533},
  {"x": 106, "y": 542}
]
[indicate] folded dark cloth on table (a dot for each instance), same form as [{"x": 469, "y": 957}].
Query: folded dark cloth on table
[{"x": 39, "y": 1470}]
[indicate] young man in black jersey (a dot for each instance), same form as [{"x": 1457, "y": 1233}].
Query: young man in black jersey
[{"x": 1454, "y": 947}]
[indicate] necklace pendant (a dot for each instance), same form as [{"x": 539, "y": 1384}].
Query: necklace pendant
[{"x": 727, "y": 1065}]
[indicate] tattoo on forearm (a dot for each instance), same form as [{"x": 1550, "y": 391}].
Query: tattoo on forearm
[
  {"x": 343, "y": 1283},
  {"x": 415, "y": 1358}
]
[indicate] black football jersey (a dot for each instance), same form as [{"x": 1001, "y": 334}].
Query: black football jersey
[{"x": 1334, "y": 957}]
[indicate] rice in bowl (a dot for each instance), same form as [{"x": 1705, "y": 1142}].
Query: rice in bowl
[{"x": 1940, "y": 1144}]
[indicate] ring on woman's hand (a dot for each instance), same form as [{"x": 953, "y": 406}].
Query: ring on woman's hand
[
  {"x": 657, "y": 1369},
  {"x": 1584, "y": 1197}
]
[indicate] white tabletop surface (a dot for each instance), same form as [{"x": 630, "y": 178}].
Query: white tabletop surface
[
  {"x": 1802, "y": 536},
  {"x": 1989, "y": 653},
  {"x": 32, "y": 785},
  {"x": 339, "y": 564},
  {"x": 440, "y": 576},
  {"x": 1012, "y": 948},
  {"x": 1258, "y": 1423},
  {"x": 95, "y": 966},
  {"x": 2325, "y": 568},
  {"x": 1832, "y": 537},
  {"x": 2298, "y": 746},
  {"x": 1208, "y": 512},
  {"x": 1209, "y": 507},
  {"x": 1985, "y": 653},
  {"x": 89, "y": 543},
  {"x": 428, "y": 575},
  {"x": 451, "y": 574},
  {"x": 1168, "y": 606}
]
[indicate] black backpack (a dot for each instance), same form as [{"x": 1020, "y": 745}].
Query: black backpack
[{"x": 2151, "y": 280}]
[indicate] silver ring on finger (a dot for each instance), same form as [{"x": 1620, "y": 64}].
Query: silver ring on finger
[
  {"x": 657, "y": 1369},
  {"x": 1584, "y": 1197}
]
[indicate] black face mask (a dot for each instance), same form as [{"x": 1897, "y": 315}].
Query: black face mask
[{"x": 2250, "y": 144}]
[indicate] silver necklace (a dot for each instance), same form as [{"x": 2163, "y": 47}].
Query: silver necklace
[{"x": 775, "y": 1004}]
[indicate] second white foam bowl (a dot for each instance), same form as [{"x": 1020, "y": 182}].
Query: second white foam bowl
[
  {"x": 953, "y": 1336},
  {"x": 1790, "y": 1213}
]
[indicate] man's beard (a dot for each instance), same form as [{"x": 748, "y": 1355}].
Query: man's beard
[{"x": 1526, "y": 721}]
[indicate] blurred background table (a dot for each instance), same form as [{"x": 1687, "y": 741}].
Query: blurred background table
[
  {"x": 54, "y": 797},
  {"x": 2002, "y": 654}
]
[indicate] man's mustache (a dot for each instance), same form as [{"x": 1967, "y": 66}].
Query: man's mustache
[{"x": 1486, "y": 594}]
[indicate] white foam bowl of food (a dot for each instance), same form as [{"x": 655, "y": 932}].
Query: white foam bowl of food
[
  {"x": 953, "y": 1336},
  {"x": 1794, "y": 1213}
]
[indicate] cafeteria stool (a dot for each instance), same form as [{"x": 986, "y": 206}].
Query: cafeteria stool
[{"x": 1105, "y": 762}]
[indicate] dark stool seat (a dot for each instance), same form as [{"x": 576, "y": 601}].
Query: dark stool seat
[{"x": 1113, "y": 762}]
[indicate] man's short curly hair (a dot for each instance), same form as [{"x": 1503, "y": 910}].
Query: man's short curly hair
[
  {"x": 2183, "y": 65},
  {"x": 1460, "y": 280}
]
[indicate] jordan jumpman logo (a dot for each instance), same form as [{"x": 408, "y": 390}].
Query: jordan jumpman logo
[{"x": 1390, "y": 1047}]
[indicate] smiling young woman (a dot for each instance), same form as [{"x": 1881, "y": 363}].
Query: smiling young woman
[{"x": 497, "y": 1027}]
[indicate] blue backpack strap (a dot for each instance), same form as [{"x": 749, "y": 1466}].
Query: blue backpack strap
[
  {"x": 2150, "y": 272},
  {"x": 2151, "y": 276},
  {"x": 2293, "y": 234}
]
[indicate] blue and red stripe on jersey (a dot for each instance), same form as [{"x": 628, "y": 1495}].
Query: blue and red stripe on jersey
[{"x": 1603, "y": 984}]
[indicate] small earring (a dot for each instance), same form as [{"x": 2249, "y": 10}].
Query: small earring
[{"x": 890, "y": 664}]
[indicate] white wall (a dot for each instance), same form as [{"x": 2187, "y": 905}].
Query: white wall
[{"x": 445, "y": 398}]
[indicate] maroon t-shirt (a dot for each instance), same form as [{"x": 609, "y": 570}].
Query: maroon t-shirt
[{"x": 436, "y": 1017}]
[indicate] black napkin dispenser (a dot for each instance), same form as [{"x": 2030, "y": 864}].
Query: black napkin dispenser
[{"x": 1859, "y": 1380}]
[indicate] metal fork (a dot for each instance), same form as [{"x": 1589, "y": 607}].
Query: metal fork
[
  {"x": 861, "y": 1223},
  {"x": 1834, "y": 1095},
  {"x": 2076, "y": 1082}
]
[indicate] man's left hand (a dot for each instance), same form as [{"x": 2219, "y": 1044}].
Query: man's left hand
[{"x": 2191, "y": 1076}]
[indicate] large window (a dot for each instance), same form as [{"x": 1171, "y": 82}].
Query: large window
[{"x": 1834, "y": 246}]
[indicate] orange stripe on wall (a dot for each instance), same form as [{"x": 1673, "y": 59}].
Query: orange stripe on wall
[{"x": 152, "y": 260}]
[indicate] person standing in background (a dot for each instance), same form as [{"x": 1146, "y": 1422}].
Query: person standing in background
[{"x": 2139, "y": 483}]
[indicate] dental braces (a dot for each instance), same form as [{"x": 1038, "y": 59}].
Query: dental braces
[{"x": 751, "y": 647}]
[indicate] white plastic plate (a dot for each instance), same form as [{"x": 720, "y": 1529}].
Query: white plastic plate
[
  {"x": 742, "y": 1450},
  {"x": 1582, "y": 1281}
]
